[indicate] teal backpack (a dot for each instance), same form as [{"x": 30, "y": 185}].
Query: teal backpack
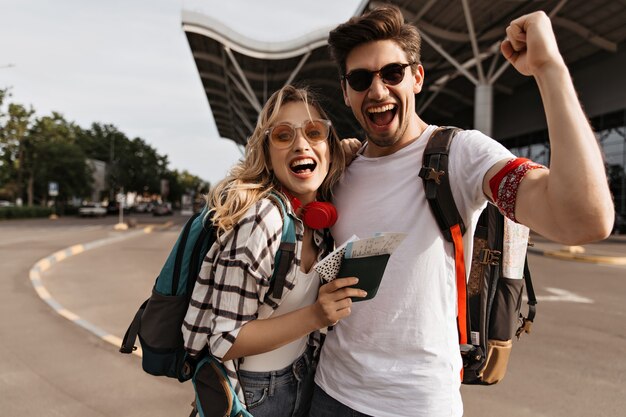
[{"x": 158, "y": 321}]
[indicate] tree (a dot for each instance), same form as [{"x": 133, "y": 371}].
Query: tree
[
  {"x": 185, "y": 183},
  {"x": 98, "y": 141},
  {"x": 6, "y": 192},
  {"x": 140, "y": 168},
  {"x": 132, "y": 164},
  {"x": 104, "y": 142},
  {"x": 37, "y": 150},
  {"x": 14, "y": 126},
  {"x": 52, "y": 155}
]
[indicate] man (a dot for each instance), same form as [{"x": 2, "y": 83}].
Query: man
[{"x": 398, "y": 354}]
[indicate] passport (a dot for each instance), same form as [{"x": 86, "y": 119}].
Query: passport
[{"x": 369, "y": 270}]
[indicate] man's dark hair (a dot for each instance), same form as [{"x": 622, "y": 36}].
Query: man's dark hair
[{"x": 382, "y": 23}]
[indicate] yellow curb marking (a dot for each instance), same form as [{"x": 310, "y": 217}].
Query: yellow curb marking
[
  {"x": 68, "y": 314},
  {"x": 117, "y": 342},
  {"x": 59, "y": 256},
  {"x": 43, "y": 293},
  {"x": 612, "y": 260},
  {"x": 114, "y": 340},
  {"x": 76, "y": 249},
  {"x": 44, "y": 264}
]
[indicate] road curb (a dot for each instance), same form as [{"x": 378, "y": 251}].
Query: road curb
[
  {"x": 595, "y": 259},
  {"x": 44, "y": 264}
]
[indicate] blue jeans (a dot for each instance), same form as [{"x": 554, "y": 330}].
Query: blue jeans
[
  {"x": 283, "y": 393},
  {"x": 323, "y": 405}
]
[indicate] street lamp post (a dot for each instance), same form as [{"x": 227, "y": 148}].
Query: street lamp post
[{"x": 120, "y": 198}]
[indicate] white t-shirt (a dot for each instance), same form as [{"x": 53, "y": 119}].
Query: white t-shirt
[{"x": 398, "y": 354}]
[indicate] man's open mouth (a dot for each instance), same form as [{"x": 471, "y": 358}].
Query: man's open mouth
[
  {"x": 303, "y": 166},
  {"x": 382, "y": 115}
]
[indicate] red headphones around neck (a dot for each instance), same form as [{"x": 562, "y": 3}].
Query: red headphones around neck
[{"x": 316, "y": 214}]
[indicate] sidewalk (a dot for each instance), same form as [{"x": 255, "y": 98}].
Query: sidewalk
[{"x": 611, "y": 251}]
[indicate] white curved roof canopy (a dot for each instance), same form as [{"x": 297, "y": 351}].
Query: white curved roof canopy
[
  {"x": 459, "y": 50},
  {"x": 239, "y": 73},
  {"x": 201, "y": 24}
]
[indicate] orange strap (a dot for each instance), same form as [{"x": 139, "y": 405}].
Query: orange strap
[{"x": 461, "y": 285}]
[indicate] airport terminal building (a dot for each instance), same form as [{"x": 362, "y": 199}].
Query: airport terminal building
[{"x": 467, "y": 83}]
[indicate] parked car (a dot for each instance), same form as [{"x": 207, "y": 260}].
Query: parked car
[
  {"x": 92, "y": 210},
  {"x": 114, "y": 208},
  {"x": 140, "y": 208},
  {"x": 162, "y": 210}
]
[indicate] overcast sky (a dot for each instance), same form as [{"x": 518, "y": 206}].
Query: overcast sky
[{"x": 127, "y": 62}]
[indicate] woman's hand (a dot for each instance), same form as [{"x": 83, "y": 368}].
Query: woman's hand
[
  {"x": 350, "y": 147},
  {"x": 263, "y": 335},
  {"x": 333, "y": 300}
]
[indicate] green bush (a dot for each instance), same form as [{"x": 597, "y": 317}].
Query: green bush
[{"x": 24, "y": 212}]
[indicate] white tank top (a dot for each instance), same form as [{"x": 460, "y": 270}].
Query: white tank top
[{"x": 303, "y": 294}]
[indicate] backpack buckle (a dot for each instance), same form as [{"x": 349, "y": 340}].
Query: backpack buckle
[
  {"x": 524, "y": 328},
  {"x": 431, "y": 174},
  {"x": 490, "y": 257},
  {"x": 471, "y": 354},
  {"x": 127, "y": 349}
]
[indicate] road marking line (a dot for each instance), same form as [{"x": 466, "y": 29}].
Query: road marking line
[
  {"x": 46, "y": 263},
  {"x": 559, "y": 294},
  {"x": 68, "y": 314},
  {"x": 114, "y": 340},
  {"x": 43, "y": 293},
  {"x": 594, "y": 259},
  {"x": 76, "y": 249},
  {"x": 564, "y": 295}
]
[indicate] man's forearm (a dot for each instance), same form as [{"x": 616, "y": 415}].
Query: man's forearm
[{"x": 576, "y": 191}]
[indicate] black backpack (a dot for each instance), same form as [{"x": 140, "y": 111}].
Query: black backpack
[{"x": 489, "y": 302}]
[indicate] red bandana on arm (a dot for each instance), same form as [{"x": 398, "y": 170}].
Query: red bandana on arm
[{"x": 505, "y": 183}]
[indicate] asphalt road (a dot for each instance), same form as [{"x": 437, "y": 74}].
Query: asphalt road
[
  {"x": 572, "y": 364},
  {"x": 574, "y": 361},
  {"x": 49, "y": 366}
]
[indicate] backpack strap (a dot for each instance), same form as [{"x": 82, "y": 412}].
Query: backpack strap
[
  {"x": 435, "y": 176},
  {"x": 526, "y": 322},
  {"x": 130, "y": 337},
  {"x": 286, "y": 251},
  {"x": 436, "y": 179}
]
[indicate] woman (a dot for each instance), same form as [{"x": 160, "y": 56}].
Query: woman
[{"x": 293, "y": 156}]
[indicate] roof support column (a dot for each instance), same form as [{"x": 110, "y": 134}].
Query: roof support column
[
  {"x": 245, "y": 88},
  {"x": 483, "y": 108},
  {"x": 298, "y": 67},
  {"x": 474, "y": 42},
  {"x": 449, "y": 57}
]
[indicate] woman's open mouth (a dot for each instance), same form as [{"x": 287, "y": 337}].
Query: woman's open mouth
[{"x": 303, "y": 166}]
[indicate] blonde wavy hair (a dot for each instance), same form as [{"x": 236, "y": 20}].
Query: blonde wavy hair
[{"x": 251, "y": 179}]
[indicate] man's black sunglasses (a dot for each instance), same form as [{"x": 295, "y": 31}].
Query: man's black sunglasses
[{"x": 361, "y": 79}]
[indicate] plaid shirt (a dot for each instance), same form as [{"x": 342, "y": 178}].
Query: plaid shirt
[{"x": 234, "y": 281}]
